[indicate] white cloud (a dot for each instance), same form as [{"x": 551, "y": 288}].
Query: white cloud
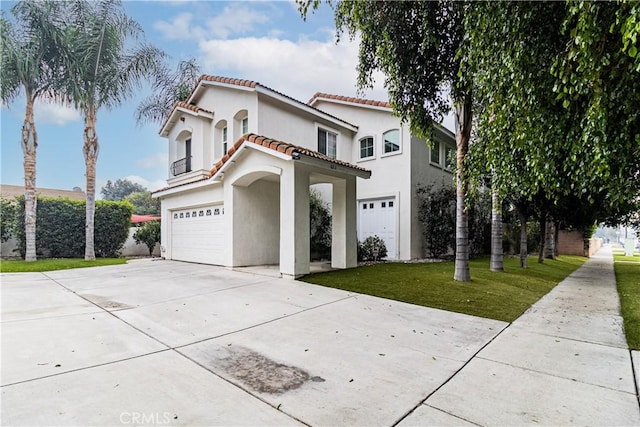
[
  {"x": 56, "y": 114},
  {"x": 235, "y": 18},
  {"x": 179, "y": 28},
  {"x": 159, "y": 160},
  {"x": 298, "y": 69},
  {"x": 150, "y": 185}
]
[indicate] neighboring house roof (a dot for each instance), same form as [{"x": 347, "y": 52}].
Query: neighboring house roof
[
  {"x": 347, "y": 99},
  {"x": 186, "y": 108},
  {"x": 281, "y": 147},
  {"x": 137, "y": 219},
  {"x": 11, "y": 191}
]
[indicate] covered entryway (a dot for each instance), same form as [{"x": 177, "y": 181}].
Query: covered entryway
[
  {"x": 377, "y": 217},
  {"x": 197, "y": 234}
]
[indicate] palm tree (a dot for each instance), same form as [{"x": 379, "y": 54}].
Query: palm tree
[
  {"x": 102, "y": 72},
  {"x": 169, "y": 88},
  {"x": 27, "y": 64}
]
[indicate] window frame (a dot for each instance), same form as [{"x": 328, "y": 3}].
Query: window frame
[
  {"x": 384, "y": 153},
  {"x": 225, "y": 139},
  {"x": 243, "y": 121},
  {"x": 373, "y": 148},
  {"x": 432, "y": 150},
  {"x": 327, "y": 131}
]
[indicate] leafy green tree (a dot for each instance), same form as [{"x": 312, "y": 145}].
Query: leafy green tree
[
  {"x": 27, "y": 63},
  {"x": 104, "y": 63},
  {"x": 120, "y": 189},
  {"x": 149, "y": 234},
  {"x": 169, "y": 87},
  {"x": 143, "y": 203},
  {"x": 417, "y": 45}
]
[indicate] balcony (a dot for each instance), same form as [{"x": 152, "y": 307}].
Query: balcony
[{"x": 181, "y": 166}]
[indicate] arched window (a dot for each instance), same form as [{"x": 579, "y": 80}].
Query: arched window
[
  {"x": 240, "y": 124},
  {"x": 391, "y": 140},
  {"x": 221, "y": 139}
]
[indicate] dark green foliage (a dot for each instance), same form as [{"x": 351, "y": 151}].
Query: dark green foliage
[
  {"x": 112, "y": 222},
  {"x": 437, "y": 215},
  {"x": 60, "y": 230},
  {"x": 7, "y": 218},
  {"x": 149, "y": 234},
  {"x": 143, "y": 203},
  {"x": 366, "y": 249},
  {"x": 120, "y": 189},
  {"x": 320, "y": 227}
]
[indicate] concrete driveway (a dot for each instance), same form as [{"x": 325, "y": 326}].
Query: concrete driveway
[{"x": 169, "y": 343}]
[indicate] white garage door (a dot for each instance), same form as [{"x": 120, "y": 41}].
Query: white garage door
[
  {"x": 378, "y": 218},
  {"x": 197, "y": 234}
]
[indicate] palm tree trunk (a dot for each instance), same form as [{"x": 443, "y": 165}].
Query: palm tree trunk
[
  {"x": 497, "y": 252},
  {"x": 463, "y": 134},
  {"x": 524, "y": 252},
  {"x": 29, "y": 146},
  {"x": 90, "y": 151}
]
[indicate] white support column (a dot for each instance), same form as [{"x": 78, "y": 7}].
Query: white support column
[
  {"x": 294, "y": 221},
  {"x": 344, "y": 251}
]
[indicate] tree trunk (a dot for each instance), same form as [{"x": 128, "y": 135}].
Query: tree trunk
[
  {"x": 29, "y": 147},
  {"x": 90, "y": 151},
  {"x": 463, "y": 134},
  {"x": 550, "y": 239},
  {"x": 543, "y": 223},
  {"x": 524, "y": 252},
  {"x": 497, "y": 252}
]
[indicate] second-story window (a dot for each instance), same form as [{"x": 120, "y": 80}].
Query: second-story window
[
  {"x": 244, "y": 125},
  {"x": 449, "y": 157},
  {"x": 366, "y": 147},
  {"x": 327, "y": 143},
  {"x": 224, "y": 140},
  {"x": 391, "y": 141},
  {"x": 435, "y": 153}
]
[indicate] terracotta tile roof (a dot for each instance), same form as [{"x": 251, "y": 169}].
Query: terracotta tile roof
[
  {"x": 349, "y": 99},
  {"x": 281, "y": 147},
  {"x": 186, "y": 106}
]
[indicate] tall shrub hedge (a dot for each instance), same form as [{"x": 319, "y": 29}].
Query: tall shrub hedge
[{"x": 61, "y": 223}]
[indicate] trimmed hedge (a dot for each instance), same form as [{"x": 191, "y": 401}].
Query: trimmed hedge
[{"x": 60, "y": 227}]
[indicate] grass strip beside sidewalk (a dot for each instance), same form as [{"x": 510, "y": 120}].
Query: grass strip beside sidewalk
[
  {"x": 501, "y": 296},
  {"x": 20, "y": 266},
  {"x": 628, "y": 281}
]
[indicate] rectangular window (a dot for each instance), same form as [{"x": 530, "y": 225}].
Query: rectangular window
[
  {"x": 435, "y": 153},
  {"x": 224, "y": 140},
  {"x": 449, "y": 157},
  {"x": 244, "y": 124},
  {"x": 366, "y": 147},
  {"x": 327, "y": 143}
]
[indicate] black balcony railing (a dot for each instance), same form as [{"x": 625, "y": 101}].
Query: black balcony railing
[{"x": 181, "y": 166}]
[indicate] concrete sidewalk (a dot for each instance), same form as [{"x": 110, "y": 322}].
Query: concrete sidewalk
[{"x": 564, "y": 362}]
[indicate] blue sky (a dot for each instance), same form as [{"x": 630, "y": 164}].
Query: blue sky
[{"x": 263, "y": 41}]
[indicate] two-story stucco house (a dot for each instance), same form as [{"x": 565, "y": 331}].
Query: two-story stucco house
[{"x": 242, "y": 158}]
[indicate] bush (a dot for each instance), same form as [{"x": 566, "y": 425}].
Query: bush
[
  {"x": 149, "y": 234},
  {"x": 479, "y": 217},
  {"x": 60, "y": 227},
  {"x": 437, "y": 215},
  {"x": 7, "y": 218},
  {"x": 366, "y": 249},
  {"x": 320, "y": 227}
]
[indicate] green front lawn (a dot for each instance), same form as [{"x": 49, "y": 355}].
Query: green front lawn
[
  {"x": 20, "y": 266},
  {"x": 628, "y": 280},
  {"x": 500, "y": 296}
]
